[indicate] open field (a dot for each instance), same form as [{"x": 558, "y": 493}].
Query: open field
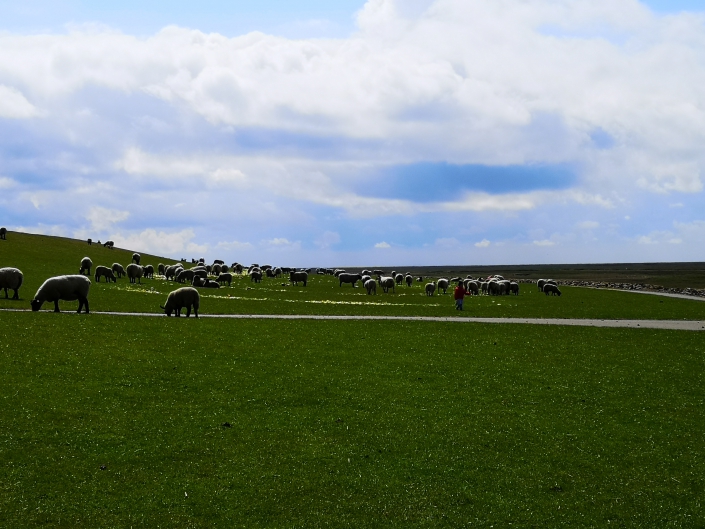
[
  {"x": 113, "y": 421},
  {"x": 40, "y": 257}
]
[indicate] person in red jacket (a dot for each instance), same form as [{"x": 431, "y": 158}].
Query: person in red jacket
[{"x": 459, "y": 293}]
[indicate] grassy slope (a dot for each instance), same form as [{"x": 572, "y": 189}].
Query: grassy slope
[
  {"x": 346, "y": 424},
  {"x": 40, "y": 257}
]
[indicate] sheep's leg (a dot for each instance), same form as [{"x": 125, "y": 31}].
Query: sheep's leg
[
  {"x": 17, "y": 294},
  {"x": 188, "y": 310},
  {"x": 56, "y": 305},
  {"x": 6, "y": 292}
]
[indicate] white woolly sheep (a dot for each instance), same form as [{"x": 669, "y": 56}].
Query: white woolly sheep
[
  {"x": 136, "y": 258},
  {"x": 430, "y": 288},
  {"x": 224, "y": 269},
  {"x": 553, "y": 290},
  {"x": 443, "y": 285},
  {"x": 364, "y": 278},
  {"x": 11, "y": 278},
  {"x": 182, "y": 297},
  {"x": 371, "y": 286},
  {"x": 296, "y": 277},
  {"x": 3, "y": 233},
  {"x": 86, "y": 265},
  {"x": 409, "y": 280},
  {"x": 149, "y": 271},
  {"x": 399, "y": 279},
  {"x": 65, "y": 288},
  {"x": 256, "y": 276},
  {"x": 225, "y": 278},
  {"x": 118, "y": 270},
  {"x": 514, "y": 288},
  {"x": 135, "y": 273},
  {"x": 215, "y": 269},
  {"x": 161, "y": 269},
  {"x": 386, "y": 283},
  {"x": 185, "y": 275},
  {"x": 107, "y": 273},
  {"x": 171, "y": 270},
  {"x": 204, "y": 282},
  {"x": 349, "y": 278}
]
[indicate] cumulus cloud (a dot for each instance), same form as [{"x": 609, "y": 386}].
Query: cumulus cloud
[
  {"x": 545, "y": 242},
  {"x": 160, "y": 242},
  {"x": 14, "y": 105},
  {"x": 383, "y": 245},
  {"x": 103, "y": 219},
  {"x": 234, "y": 245},
  {"x": 484, "y": 243}
]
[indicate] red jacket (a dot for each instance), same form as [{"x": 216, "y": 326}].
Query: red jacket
[{"x": 460, "y": 292}]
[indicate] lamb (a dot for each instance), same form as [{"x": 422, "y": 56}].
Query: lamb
[
  {"x": 430, "y": 288},
  {"x": 349, "y": 278},
  {"x": 11, "y": 278},
  {"x": 107, "y": 273},
  {"x": 443, "y": 285},
  {"x": 553, "y": 290},
  {"x": 136, "y": 258},
  {"x": 386, "y": 283},
  {"x": 118, "y": 269},
  {"x": 86, "y": 264},
  {"x": 161, "y": 269},
  {"x": 149, "y": 271},
  {"x": 371, "y": 286},
  {"x": 135, "y": 273},
  {"x": 226, "y": 277},
  {"x": 409, "y": 280},
  {"x": 65, "y": 288},
  {"x": 295, "y": 277},
  {"x": 182, "y": 297},
  {"x": 3, "y": 233}
]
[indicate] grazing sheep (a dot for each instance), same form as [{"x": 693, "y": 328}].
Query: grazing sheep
[
  {"x": 86, "y": 265},
  {"x": 349, "y": 278},
  {"x": 409, "y": 280},
  {"x": 161, "y": 269},
  {"x": 107, "y": 273},
  {"x": 514, "y": 288},
  {"x": 149, "y": 271},
  {"x": 472, "y": 286},
  {"x": 399, "y": 279},
  {"x": 136, "y": 258},
  {"x": 493, "y": 288},
  {"x": 65, "y": 288},
  {"x": 109, "y": 245},
  {"x": 237, "y": 267},
  {"x": 171, "y": 271},
  {"x": 364, "y": 279},
  {"x": 378, "y": 272},
  {"x": 135, "y": 273},
  {"x": 185, "y": 275},
  {"x": 296, "y": 277},
  {"x": 485, "y": 285},
  {"x": 215, "y": 269},
  {"x": 3, "y": 233},
  {"x": 386, "y": 283},
  {"x": 218, "y": 261},
  {"x": 553, "y": 290},
  {"x": 118, "y": 270},
  {"x": 11, "y": 278},
  {"x": 182, "y": 297},
  {"x": 430, "y": 288},
  {"x": 540, "y": 283},
  {"x": 443, "y": 285},
  {"x": 90, "y": 242},
  {"x": 277, "y": 271},
  {"x": 224, "y": 269},
  {"x": 366, "y": 273},
  {"x": 204, "y": 282},
  {"x": 256, "y": 276},
  {"x": 225, "y": 277},
  {"x": 338, "y": 271},
  {"x": 419, "y": 279},
  {"x": 371, "y": 286}
]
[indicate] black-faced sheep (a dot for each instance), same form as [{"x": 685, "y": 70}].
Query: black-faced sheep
[
  {"x": 86, "y": 265},
  {"x": 182, "y": 297},
  {"x": 215, "y": 269},
  {"x": 65, "y": 288},
  {"x": 107, "y": 273},
  {"x": 344, "y": 277},
  {"x": 371, "y": 286},
  {"x": 430, "y": 288},
  {"x": 11, "y": 278},
  {"x": 135, "y": 273},
  {"x": 136, "y": 258},
  {"x": 118, "y": 270},
  {"x": 553, "y": 290},
  {"x": 3, "y": 233},
  {"x": 296, "y": 277}
]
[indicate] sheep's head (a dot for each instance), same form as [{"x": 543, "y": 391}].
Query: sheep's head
[{"x": 36, "y": 305}]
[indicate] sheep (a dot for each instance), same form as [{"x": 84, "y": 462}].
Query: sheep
[
  {"x": 118, "y": 270},
  {"x": 484, "y": 286},
  {"x": 493, "y": 288},
  {"x": 136, "y": 258},
  {"x": 215, "y": 269},
  {"x": 90, "y": 242},
  {"x": 65, "y": 288},
  {"x": 430, "y": 288},
  {"x": 399, "y": 279},
  {"x": 226, "y": 277},
  {"x": 366, "y": 273},
  {"x": 296, "y": 277},
  {"x": 237, "y": 267},
  {"x": 349, "y": 278},
  {"x": 149, "y": 271},
  {"x": 182, "y": 297},
  {"x": 338, "y": 271},
  {"x": 364, "y": 279},
  {"x": 419, "y": 279},
  {"x": 134, "y": 273},
  {"x": 378, "y": 272},
  {"x": 514, "y": 288},
  {"x": 472, "y": 286},
  {"x": 3, "y": 233},
  {"x": 371, "y": 286},
  {"x": 109, "y": 245},
  {"x": 256, "y": 276},
  {"x": 205, "y": 282},
  {"x": 277, "y": 271},
  {"x": 409, "y": 280},
  {"x": 218, "y": 261},
  {"x": 553, "y": 290},
  {"x": 386, "y": 283},
  {"x": 540, "y": 283},
  {"x": 86, "y": 264},
  {"x": 443, "y": 285},
  {"x": 171, "y": 271},
  {"x": 185, "y": 275},
  {"x": 224, "y": 269},
  {"x": 107, "y": 273},
  {"x": 160, "y": 269},
  {"x": 11, "y": 278}
]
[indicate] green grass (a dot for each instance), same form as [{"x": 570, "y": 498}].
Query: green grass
[
  {"x": 40, "y": 257},
  {"x": 347, "y": 424}
]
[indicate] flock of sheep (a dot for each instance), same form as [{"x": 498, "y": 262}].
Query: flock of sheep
[{"x": 76, "y": 287}]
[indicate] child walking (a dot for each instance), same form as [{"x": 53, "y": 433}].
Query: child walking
[{"x": 459, "y": 293}]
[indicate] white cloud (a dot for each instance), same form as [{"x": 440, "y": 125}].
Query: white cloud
[
  {"x": 234, "y": 245},
  {"x": 589, "y": 225},
  {"x": 167, "y": 244},
  {"x": 484, "y": 243},
  {"x": 7, "y": 183},
  {"x": 14, "y": 105},
  {"x": 545, "y": 242},
  {"x": 383, "y": 245},
  {"x": 103, "y": 219},
  {"x": 280, "y": 243}
]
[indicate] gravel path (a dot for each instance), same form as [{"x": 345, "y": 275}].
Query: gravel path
[{"x": 678, "y": 325}]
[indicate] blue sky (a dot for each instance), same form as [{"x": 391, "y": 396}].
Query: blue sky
[{"x": 355, "y": 133}]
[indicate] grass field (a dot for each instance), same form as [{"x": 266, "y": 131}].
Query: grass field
[{"x": 162, "y": 422}]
